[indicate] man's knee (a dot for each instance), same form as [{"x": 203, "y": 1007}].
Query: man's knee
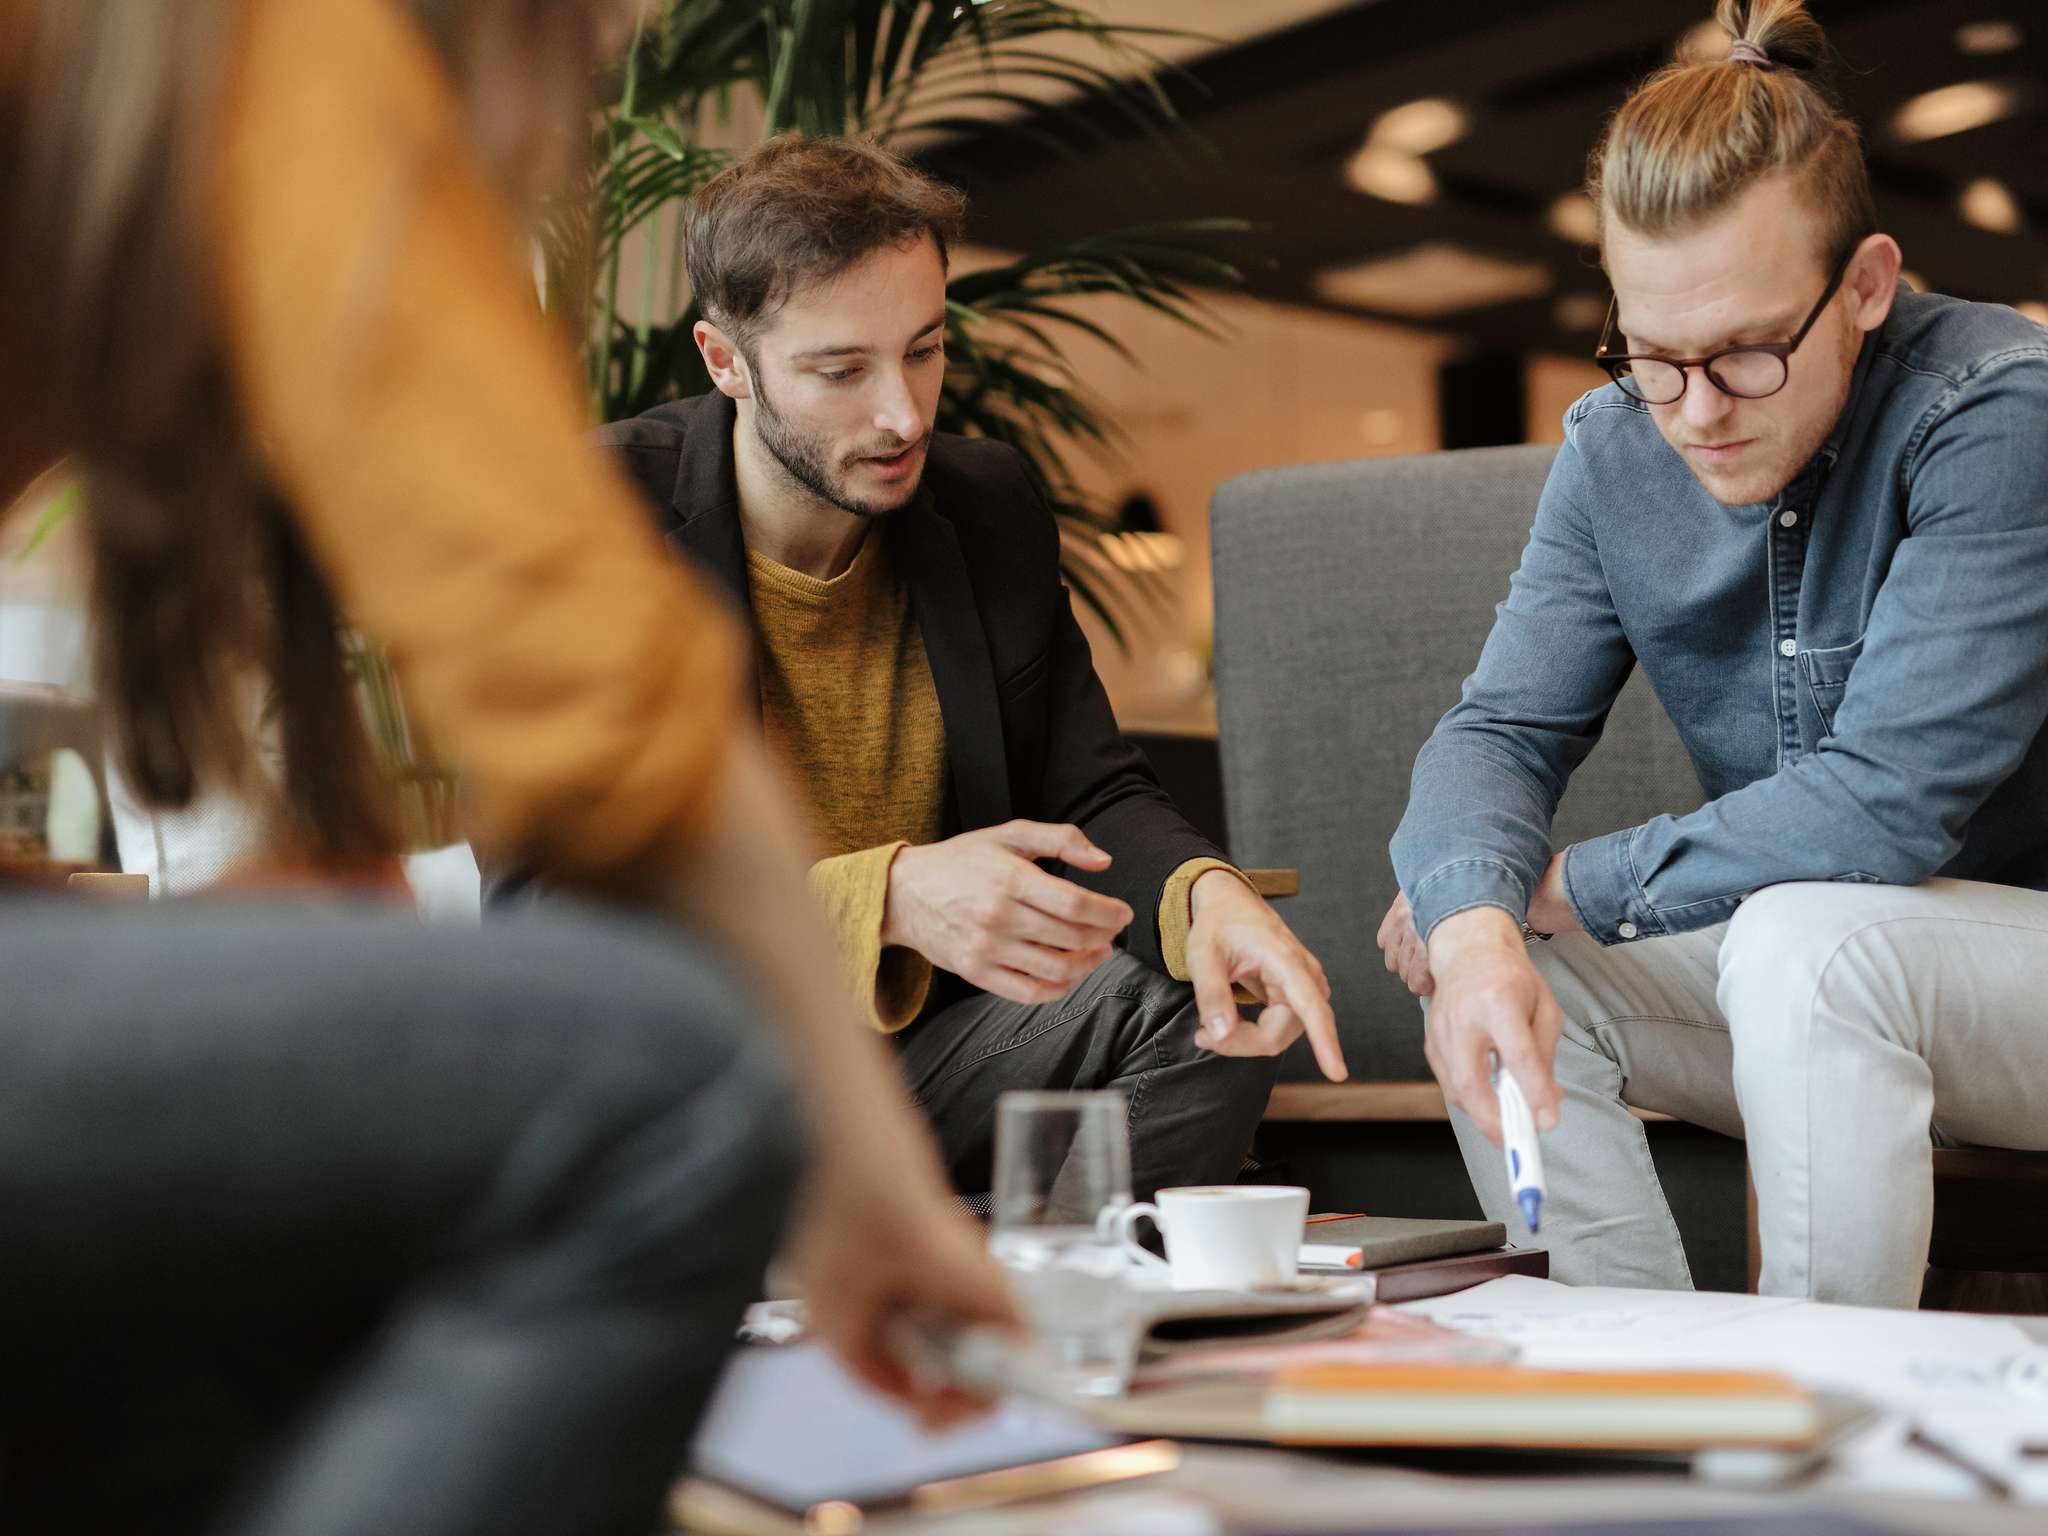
[
  {"x": 1785, "y": 944},
  {"x": 1237, "y": 1086},
  {"x": 1251, "y": 1078},
  {"x": 1566, "y": 963}
]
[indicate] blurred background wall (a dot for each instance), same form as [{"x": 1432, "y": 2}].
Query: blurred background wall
[{"x": 1415, "y": 274}]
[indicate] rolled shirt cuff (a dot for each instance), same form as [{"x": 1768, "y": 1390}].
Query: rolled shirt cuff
[
  {"x": 1463, "y": 884},
  {"x": 1600, "y": 882}
]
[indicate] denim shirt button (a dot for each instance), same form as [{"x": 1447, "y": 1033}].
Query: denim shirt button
[
  {"x": 1788, "y": 648},
  {"x": 1788, "y": 518},
  {"x": 1627, "y": 930}
]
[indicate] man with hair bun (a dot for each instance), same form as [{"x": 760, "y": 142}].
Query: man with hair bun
[{"x": 1812, "y": 508}]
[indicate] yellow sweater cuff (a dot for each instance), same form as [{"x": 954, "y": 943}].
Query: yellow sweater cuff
[
  {"x": 890, "y": 982},
  {"x": 1177, "y": 911}
]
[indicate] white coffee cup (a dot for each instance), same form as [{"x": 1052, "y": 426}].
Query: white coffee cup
[{"x": 1225, "y": 1237}]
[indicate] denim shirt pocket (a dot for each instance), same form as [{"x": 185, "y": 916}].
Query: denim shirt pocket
[{"x": 1827, "y": 676}]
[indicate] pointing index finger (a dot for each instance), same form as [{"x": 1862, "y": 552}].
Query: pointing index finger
[{"x": 1318, "y": 1019}]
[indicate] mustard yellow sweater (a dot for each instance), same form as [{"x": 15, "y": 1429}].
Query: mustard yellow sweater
[{"x": 848, "y": 704}]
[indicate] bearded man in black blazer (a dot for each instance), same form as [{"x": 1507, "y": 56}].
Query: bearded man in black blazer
[{"x": 1018, "y": 902}]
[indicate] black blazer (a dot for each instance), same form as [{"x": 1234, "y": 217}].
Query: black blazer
[{"x": 1028, "y": 728}]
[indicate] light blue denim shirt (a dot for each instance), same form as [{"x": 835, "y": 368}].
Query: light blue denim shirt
[{"x": 1859, "y": 669}]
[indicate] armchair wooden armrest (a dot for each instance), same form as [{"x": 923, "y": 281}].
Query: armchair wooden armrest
[{"x": 1275, "y": 883}]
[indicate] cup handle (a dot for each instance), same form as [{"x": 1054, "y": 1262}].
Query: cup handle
[{"x": 1127, "y": 1221}]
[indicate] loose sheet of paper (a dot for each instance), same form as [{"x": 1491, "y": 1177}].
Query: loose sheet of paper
[
  {"x": 1974, "y": 1381},
  {"x": 1568, "y": 1326}
]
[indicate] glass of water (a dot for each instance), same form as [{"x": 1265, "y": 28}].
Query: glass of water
[{"x": 1062, "y": 1175}]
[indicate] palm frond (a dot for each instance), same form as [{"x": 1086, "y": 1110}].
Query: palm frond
[
  {"x": 657, "y": 171},
  {"x": 1155, "y": 265},
  {"x": 61, "y": 505},
  {"x": 697, "y": 50},
  {"x": 963, "y": 53}
]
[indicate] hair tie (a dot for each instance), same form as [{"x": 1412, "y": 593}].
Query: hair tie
[{"x": 1743, "y": 51}]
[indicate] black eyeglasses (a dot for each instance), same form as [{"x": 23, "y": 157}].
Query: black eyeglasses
[{"x": 1753, "y": 371}]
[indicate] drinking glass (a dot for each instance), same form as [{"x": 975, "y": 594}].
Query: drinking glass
[{"x": 1062, "y": 1177}]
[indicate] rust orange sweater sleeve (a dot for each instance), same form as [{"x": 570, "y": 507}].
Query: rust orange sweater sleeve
[{"x": 424, "y": 424}]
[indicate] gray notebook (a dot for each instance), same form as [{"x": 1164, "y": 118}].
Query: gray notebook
[{"x": 1388, "y": 1240}]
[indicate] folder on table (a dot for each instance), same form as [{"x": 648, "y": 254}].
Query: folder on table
[{"x": 1510, "y": 1405}]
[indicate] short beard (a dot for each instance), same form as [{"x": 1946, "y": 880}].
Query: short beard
[{"x": 803, "y": 457}]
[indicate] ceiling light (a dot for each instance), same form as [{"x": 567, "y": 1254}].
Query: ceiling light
[
  {"x": 1391, "y": 174},
  {"x": 1989, "y": 204},
  {"x": 1419, "y": 127},
  {"x": 1432, "y": 280},
  {"x": 1390, "y": 165},
  {"x": 1579, "y": 312},
  {"x": 1955, "y": 109},
  {"x": 1703, "y": 42},
  {"x": 1152, "y": 553},
  {"x": 1982, "y": 37},
  {"x": 1574, "y": 218},
  {"x": 2034, "y": 310}
]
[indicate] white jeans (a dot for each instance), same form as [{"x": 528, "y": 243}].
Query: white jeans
[{"x": 1844, "y": 1029}]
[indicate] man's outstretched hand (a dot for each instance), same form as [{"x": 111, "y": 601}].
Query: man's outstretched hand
[{"x": 979, "y": 906}]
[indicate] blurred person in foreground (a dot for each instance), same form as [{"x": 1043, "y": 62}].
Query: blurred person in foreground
[
  {"x": 1813, "y": 507},
  {"x": 317, "y": 1220},
  {"x": 1017, "y": 899}
]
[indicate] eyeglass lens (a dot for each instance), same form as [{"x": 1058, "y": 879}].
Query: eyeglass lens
[{"x": 1747, "y": 375}]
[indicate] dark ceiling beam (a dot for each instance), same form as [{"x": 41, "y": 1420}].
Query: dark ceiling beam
[{"x": 1282, "y": 113}]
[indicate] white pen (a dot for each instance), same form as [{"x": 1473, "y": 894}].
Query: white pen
[{"x": 1518, "y": 1142}]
